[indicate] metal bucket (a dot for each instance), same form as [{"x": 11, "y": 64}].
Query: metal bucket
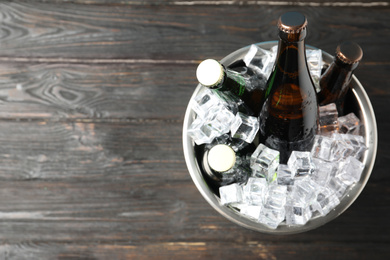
[{"x": 358, "y": 102}]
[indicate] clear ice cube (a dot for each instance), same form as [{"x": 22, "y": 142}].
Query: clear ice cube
[
  {"x": 244, "y": 127},
  {"x": 324, "y": 171},
  {"x": 314, "y": 62},
  {"x": 326, "y": 201},
  {"x": 255, "y": 191},
  {"x": 271, "y": 217},
  {"x": 277, "y": 196},
  {"x": 259, "y": 60},
  {"x": 201, "y": 133},
  {"x": 297, "y": 213},
  {"x": 328, "y": 117},
  {"x": 235, "y": 144},
  {"x": 300, "y": 163},
  {"x": 321, "y": 147},
  {"x": 242, "y": 171},
  {"x": 340, "y": 148},
  {"x": 358, "y": 144},
  {"x": 214, "y": 118},
  {"x": 221, "y": 119},
  {"x": 349, "y": 124},
  {"x": 284, "y": 175},
  {"x": 338, "y": 186},
  {"x": 351, "y": 171},
  {"x": 208, "y": 99},
  {"x": 264, "y": 162},
  {"x": 203, "y": 101},
  {"x": 304, "y": 191},
  {"x": 251, "y": 211},
  {"x": 231, "y": 193}
]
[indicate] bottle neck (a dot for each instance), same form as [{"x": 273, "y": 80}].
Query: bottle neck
[
  {"x": 232, "y": 81},
  {"x": 345, "y": 66},
  {"x": 334, "y": 84},
  {"x": 291, "y": 57}
]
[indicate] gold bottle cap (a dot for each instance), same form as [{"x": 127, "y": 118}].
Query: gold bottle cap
[
  {"x": 221, "y": 158},
  {"x": 292, "y": 26},
  {"x": 349, "y": 53},
  {"x": 209, "y": 73}
]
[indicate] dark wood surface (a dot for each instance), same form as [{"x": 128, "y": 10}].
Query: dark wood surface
[{"x": 92, "y": 100}]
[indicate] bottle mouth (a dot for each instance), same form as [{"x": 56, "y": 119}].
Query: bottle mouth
[
  {"x": 209, "y": 73},
  {"x": 292, "y": 26},
  {"x": 349, "y": 53}
]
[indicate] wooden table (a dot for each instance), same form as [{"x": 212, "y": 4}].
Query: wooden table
[{"x": 92, "y": 100}]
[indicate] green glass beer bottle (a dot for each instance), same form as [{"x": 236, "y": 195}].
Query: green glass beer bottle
[
  {"x": 212, "y": 74},
  {"x": 289, "y": 115}
]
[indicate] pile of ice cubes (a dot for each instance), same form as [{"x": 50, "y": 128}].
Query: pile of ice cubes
[{"x": 311, "y": 183}]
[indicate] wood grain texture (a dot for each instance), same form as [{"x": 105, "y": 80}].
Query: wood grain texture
[
  {"x": 168, "y": 32},
  {"x": 120, "y": 91},
  {"x": 92, "y": 100},
  {"x": 336, "y": 3},
  {"x": 92, "y": 189}
]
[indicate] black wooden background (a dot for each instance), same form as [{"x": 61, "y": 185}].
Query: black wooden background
[{"x": 92, "y": 100}]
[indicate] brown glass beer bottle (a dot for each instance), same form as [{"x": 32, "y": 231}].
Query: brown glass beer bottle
[
  {"x": 334, "y": 83},
  {"x": 289, "y": 115}
]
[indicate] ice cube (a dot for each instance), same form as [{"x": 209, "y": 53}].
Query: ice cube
[
  {"x": 276, "y": 198},
  {"x": 251, "y": 211},
  {"x": 259, "y": 60},
  {"x": 304, "y": 191},
  {"x": 231, "y": 193},
  {"x": 271, "y": 217},
  {"x": 321, "y": 147},
  {"x": 242, "y": 171},
  {"x": 284, "y": 175},
  {"x": 326, "y": 201},
  {"x": 328, "y": 117},
  {"x": 255, "y": 191},
  {"x": 340, "y": 148},
  {"x": 349, "y": 124},
  {"x": 351, "y": 171},
  {"x": 244, "y": 127},
  {"x": 324, "y": 171},
  {"x": 254, "y": 79},
  {"x": 214, "y": 118},
  {"x": 300, "y": 163},
  {"x": 221, "y": 119},
  {"x": 357, "y": 142},
  {"x": 264, "y": 162},
  {"x": 235, "y": 144},
  {"x": 297, "y": 213},
  {"x": 314, "y": 62},
  {"x": 207, "y": 99},
  {"x": 201, "y": 132},
  {"x": 338, "y": 186},
  {"x": 203, "y": 101}
]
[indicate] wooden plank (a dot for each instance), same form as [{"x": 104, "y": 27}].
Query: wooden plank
[
  {"x": 56, "y": 150},
  {"x": 71, "y": 32},
  {"x": 69, "y": 189},
  {"x": 95, "y": 91},
  {"x": 335, "y": 3},
  {"x": 196, "y": 250},
  {"x": 91, "y": 109},
  {"x": 121, "y": 91},
  {"x": 155, "y": 218}
]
